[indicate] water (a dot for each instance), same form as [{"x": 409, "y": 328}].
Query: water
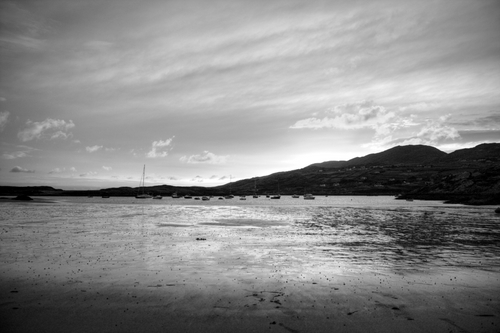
[{"x": 377, "y": 232}]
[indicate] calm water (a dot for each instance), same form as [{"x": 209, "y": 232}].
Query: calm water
[{"x": 377, "y": 232}]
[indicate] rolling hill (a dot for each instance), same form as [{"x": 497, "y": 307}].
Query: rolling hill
[{"x": 416, "y": 171}]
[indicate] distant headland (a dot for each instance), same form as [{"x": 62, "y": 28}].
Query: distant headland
[{"x": 469, "y": 176}]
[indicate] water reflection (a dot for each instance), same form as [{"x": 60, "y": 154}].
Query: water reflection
[{"x": 407, "y": 238}]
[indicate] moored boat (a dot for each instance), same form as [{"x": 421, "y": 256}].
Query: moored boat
[
  {"x": 309, "y": 196},
  {"x": 143, "y": 195}
]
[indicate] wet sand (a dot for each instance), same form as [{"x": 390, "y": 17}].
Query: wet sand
[{"x": 125, "y": 274}]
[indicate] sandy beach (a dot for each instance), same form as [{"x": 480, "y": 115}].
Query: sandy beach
[{"x": 134, "y": 272}]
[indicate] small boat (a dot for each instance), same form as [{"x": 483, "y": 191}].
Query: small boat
[
  {"x": 497, "y": 210},
  {"x": 187, "y": 196},
  {"x": 243, "y": 197},
  {"x": 141, "y": 187},
  {"x": 157, "y": 197},
  {"x": 229, "y": 196},
  {"x": 175, "y": 195},
  {"x": 309, "y": 196},
  {"x": 196, "y": 198},
  {"x": 105, "y": 196},
  {"x": 255, "y": 196},
  {"x": 295, "y": 196},
  {"x": 221, "y": 198},
  {"x": 205, "y": 198}
]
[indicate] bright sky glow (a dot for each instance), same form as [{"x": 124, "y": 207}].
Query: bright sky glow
[{"x": 203, "y": 90}]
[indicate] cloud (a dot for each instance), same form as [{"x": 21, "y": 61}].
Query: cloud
[
  {"x": 432, "y": 132},
  {"x": 205, "y": 157},
  {"x": 49, "y": 128},
  {"x": 87, "y": 174},
  {"x": 197, "y": 179},
  {"x": 14, "y": 155},
  {"x": 107, "y": 168},
  {"x": 349, "y": 116},
  {"x": 19, "y": 169},
  {"x": 4, "y": 118},
  {"x": 57, "y": 170},
  {"x": 160, "y": 148},
  {"x": 93, "y": 148},
  {"x": 23, "y": 151},
  {"x": 435, "y": 132},
  {"x": 421, "y": 106}
]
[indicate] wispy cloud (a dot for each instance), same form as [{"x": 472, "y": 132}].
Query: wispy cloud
[
  {"x": 205, "y": 157},
  {"x": 47, "y": 129},
  {"x": 21, "y": 29},
  {"x": 107, "y": 168},
  {"x": 57, "y": 170},
  {"x": 349, "y": 116},
  {"x": 88, "y": 174},
  {"x": 160, "y": 148},
  {"x": 17, "y": 169},
  {"x": 93, "y": 148},
  {"x": 4, "y": 118},
  {"x": 20, "y": 152},
  {"x": 14, "y": 155}
]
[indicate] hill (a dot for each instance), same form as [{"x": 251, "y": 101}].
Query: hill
[
  {"x": 412, "y": 154},
  {"x": 470, "y": 176},
  {"x": 485, "y": 151},
  {"x": 416, "y": 171}
]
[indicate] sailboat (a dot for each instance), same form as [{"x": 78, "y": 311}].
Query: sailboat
[{"x": 143, "y": 195}]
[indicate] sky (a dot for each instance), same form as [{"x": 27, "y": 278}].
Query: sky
[{"x": 203, "y": 92}]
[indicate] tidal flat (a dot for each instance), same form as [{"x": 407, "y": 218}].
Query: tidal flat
[{"x": 336, "y": 264}]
